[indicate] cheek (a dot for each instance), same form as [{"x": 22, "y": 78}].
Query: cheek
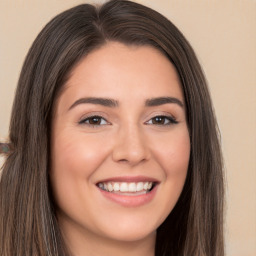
[
  {"x": 75, "y": 158},
  {"x": 173, "y": 155},
  {"x": 77, "y": 154}
]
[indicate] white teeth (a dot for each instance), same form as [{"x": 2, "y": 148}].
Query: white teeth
[
  {"x": 139, "y": 186},
  {"x": 110, "y": 187},
  {"x": 126, "y": 186},
  {"x": 145, "y": 186},
  {"x": 116, "y": 186},
  {"x": 132, "y": 187}
]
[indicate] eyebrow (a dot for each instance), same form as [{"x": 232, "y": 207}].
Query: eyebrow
[
  {"x": 163, "y": 100},
  {"x": 114, "y": 103}
]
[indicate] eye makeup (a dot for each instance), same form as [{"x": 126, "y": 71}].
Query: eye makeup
[{"x": 98, "y": 120}]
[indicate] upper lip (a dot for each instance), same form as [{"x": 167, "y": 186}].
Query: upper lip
[{"x": 129, "y": 179}]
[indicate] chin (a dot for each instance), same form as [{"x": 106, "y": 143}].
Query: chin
[
  {"x": 131, "y": 235},
  {"x": 130, "y": 229}
]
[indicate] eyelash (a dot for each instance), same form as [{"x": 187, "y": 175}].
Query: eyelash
[{"x": 171, "y": 120}]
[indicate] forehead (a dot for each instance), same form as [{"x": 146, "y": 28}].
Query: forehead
[{"x": 121, "y": 71}]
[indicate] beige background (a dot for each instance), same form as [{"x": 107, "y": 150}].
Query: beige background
[{"x": 222, "y": 33}]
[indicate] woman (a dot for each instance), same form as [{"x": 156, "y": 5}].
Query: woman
[{"x": 113, "y": 141}]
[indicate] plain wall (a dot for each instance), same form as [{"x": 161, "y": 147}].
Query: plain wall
[{"x": 222, "y": 33}]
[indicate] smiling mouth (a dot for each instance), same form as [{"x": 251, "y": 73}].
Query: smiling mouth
[{"x": 127, "y": 188}]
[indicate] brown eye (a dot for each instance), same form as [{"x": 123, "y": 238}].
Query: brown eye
[
  {"x": 94, "y": 121},
  {"x": 162, "y": 120},
  {"x": 159, "y": 120}
]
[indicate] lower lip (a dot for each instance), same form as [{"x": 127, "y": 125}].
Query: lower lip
[{"x": 130, "y": 201}]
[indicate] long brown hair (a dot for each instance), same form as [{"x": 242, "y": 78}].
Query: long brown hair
[{"x": 28, "y": 225}]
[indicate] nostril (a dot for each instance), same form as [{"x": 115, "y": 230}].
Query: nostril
[
  {"x": 122, "y": 160},
  {"x": 130, "y": 146}
]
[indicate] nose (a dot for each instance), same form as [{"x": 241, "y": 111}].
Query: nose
[{"x": 130, "y": 146}]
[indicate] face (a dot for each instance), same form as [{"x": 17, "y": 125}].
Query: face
[{"x": 120, "y": 144}]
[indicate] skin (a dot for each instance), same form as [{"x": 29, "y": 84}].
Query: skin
[{"x": 128, "y": 141}]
